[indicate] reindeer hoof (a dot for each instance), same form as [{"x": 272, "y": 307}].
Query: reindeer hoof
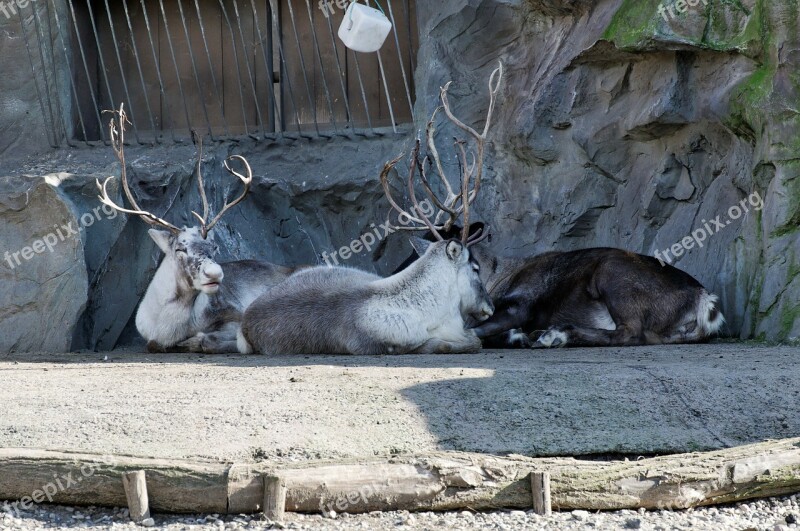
[
  {"x": 193, "y": 344},
  {"x": 155, "y": 348},
  {"x": 517, "y": 338},
  {"x": 552, "y": 338}
]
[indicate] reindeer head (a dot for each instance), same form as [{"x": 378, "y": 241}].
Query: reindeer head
[
  {"x": 190, "y": 249},
  {"x": 474, "y": 301},
  {"x": 193, "y": 257}
]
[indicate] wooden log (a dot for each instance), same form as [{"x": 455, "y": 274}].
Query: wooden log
[
  {"x": 441, "y": 481},
  {"x": 540, "y": 490},
  {"x": 274, "y": 497},
  {"x": 173, "y": 485},
  {"x": 135, "y": 485}
]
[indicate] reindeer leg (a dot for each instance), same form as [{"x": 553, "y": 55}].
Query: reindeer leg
[
  {"x": 222, "y": 342},
  {"x": 509, "y": 314},
  {"x": 441, "y": 346},
  {"x": 560, "y": 336}
]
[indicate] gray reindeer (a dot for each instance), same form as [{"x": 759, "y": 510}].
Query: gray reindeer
[
  {"x": 337, "y": 310},
  {"x": 193, "y": 304}
]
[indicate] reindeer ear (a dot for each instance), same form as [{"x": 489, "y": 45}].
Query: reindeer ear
[
  {"x": 454, "y": 250},
  {"x": 420, "y": 245},
  {"x": 161, "y": 237}
]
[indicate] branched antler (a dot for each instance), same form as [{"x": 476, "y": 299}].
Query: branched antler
[
  {"x": 117, "y": 133},
  {"x": 458, "y": 203},
  {"x": 247, "y": 180}
]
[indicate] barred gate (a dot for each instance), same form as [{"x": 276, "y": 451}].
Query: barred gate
[{"x": 227, "y": 68}]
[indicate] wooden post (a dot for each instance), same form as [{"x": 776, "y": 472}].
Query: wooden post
[
  {"x": 274, "y": 497},
  {"x": 540, "y": 489},
  {"x": 135, "y": 485}
]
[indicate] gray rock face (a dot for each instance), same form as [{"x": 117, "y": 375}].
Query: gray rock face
[
  {"x": 618, "y": 126},
  {"x": 43, "y": 272},
  {"x": 622, "y": 128}
]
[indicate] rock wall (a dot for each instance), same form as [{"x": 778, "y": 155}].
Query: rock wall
[
  {"x": 619, "y": 125},
  {"x": 625, "y": 127}
]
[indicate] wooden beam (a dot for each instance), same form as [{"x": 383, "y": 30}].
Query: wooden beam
[
  {"x": 274, "y": 497},
  {"x": 540, "y": 490},
  {"x": 440, "y": 481},
  {"x": 135, "y": 486}
]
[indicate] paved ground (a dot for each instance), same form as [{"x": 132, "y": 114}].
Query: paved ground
[{"x": 571, "y": 401}]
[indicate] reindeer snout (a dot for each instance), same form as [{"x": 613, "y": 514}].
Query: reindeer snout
[
  {"x": 485, "y": 311},
  {"x": 213, "y": 272}
]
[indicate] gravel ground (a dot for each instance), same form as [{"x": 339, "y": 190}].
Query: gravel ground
[{"x": 775, "y": 514}]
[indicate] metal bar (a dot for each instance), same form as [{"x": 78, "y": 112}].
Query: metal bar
[
  {"x": 40, "y": 39},
  {"x": 122, "y": 72},
  {"x": 157, "y": 63},
  {"x": 400, "y": 59},
  {"x": 280, "y": 113},
  {"x": 386, "y": 90},
  {"x": 62, "y": 113},
  {"x": 211, "y": 68},
  {"x": 363, "y": 92},
  {"x": 311, "y": 100},
  {"x": 239, "y": 72},
  {"x": 100, "y": 57},
  {"x": 253, "y": 81},
  {"x": 410, "y": 28},
  {"x": 71, "y": 77},
  {"x": 321, "y": 67},
  {"x": 45, "y": 110},
  {"x": 341, "y": 74},
  {"x": 139, "y": 69},
  {"x": 95, "y": 104},
  {"x": 275, "y": 112},
  {"x": 174, "y": 62},
  {"x": 284, "y": 68},
  {"x": 194, "y": 67}
]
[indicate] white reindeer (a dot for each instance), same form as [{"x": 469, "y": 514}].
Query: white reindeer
[{"x": 188, "y": 307}]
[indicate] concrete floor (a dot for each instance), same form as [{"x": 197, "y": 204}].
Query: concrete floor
[{"x": 632, "y": 401}]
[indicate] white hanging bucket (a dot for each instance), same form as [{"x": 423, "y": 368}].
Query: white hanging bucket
[{"x": 364, "y": 29}]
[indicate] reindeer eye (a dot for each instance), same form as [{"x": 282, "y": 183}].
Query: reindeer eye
[{"x": 476, "y": 268}]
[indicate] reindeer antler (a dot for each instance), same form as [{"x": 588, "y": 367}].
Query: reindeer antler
[
  {"x": 117, "y": 133},
  {"x": 246, "y": 179},
  {"x": 200, "y": 184},
  {"x": 205, "y": 226},
  {"x": 414, "y": 164},
  {"x": 468, "y": 197},
  {"x": 470, "y": 174}
]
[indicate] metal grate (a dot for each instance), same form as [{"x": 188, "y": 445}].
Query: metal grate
[{"x": 226, "y": 68}]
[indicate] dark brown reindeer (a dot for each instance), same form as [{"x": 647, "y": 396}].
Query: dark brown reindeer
[{"x": 587, "y": 297}]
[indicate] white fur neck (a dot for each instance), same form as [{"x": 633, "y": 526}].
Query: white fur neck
[{"x": 162, "y": 314}]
